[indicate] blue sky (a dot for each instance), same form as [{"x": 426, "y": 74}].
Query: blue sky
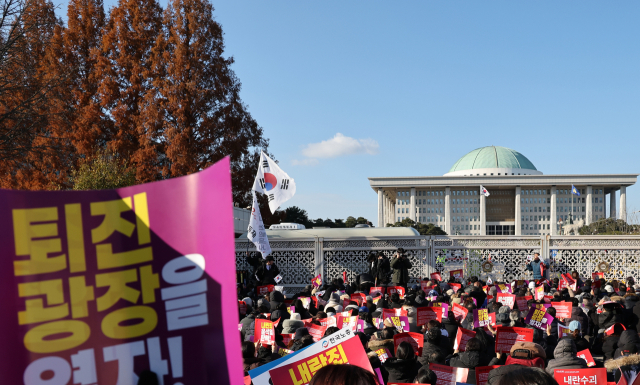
[{"x": 412, "y": 86}]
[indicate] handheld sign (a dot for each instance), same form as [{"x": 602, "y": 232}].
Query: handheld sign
[
  {"x": 456, "y": 274},
  {"x": 563, "y": 309},
  {"x": 401, "y": 323},
  {"x": 448, "y": 375},
  {"x": 396, "y": 289},
  {"x": 263, "y": 332},
  {"x": 506, "y": 337},
  {"x": 459, "y": 312},
  {"x": 415, "y": 339},
  {"x": 538, "y": 318},
  {"x": 522, "y": 302},
  {"x": 481, "y": 318},
  {"x": 462, "y": 337},
  {"x": 262, "y": 290},
  {"x": 426, "y": 314},
  {"x": 580, "y": 376},
  {"x": 278, "y": 278},
  {"x": 455, "y": 286},
  {"x": 507, "y": 299},
  {"x": 586, "y": 355},
  {"x": 482, "y": 374},
  {"x": 436, "y": 277}
]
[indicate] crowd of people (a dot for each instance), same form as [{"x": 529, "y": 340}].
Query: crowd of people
[{"x": 605, "y": 320}]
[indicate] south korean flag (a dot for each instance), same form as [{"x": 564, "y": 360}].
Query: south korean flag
[
  {"x": 273, "y": 182},
  {"x": 256, "y": 231}
]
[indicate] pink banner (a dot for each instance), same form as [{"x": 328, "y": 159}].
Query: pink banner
[{"x": 91, "y": 279}]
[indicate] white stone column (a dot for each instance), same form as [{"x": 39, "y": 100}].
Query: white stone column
[
  {"x": 554, "y": 215},
  {"x": 518, "y": 213},
  {"x": 483, "y": 215},
  {"x": 412, "y": 204},
  {"x": 380, "y": 208},
  {"x": 393, "y": 209},
  {"x": 612, "y": 204},
  {"x": 447, "y": 210},
  {"x": 623, "y": 203},
  {"x": 589, "y": 206}
]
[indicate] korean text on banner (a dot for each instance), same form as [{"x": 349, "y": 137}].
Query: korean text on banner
[
  {"x": 563, "y": 309},
  {"x": 586, "y": 355},
  {"x": 301, "y": 370},
  {"x": 448, "y": 375},
  {"x": 415, "y": 339},
  {"x": 481, "y": 318},
  {"x": 426, "y": 314},
  {"x": 538, "y": 318},
  {"x": 262, "y": 290},
  {"x": 507, "y": 336},
  {"x": 400, "y": 323},
  {"x": 459, "y": 312},
  {"x": 161, "y": 254},
  {"x": 256, "y": 232},
  {"x": 456, "y": 274},
  {"x": 396, "y": 289},
  {"x": 522, "y": 302},
  {"x": 462, "y": 337},
  {"x": 563, "y": 331},
  {"x": 482, "y": 374},
  {"x": 264, "y": 332},
  {"x": 507, "y": 299},
  {"x": 581, "y": 376}
]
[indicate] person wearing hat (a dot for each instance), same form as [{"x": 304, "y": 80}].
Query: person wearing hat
[
  {"x": 565, "y": 357},
  {"x": 381, "y": 270},
  {"x": 334, "y": 302},
  {"x": 400, "y": 265},
  {"x": 527, "y": 354},
  {"x": 267, "y": 272},
  {"x": 289, "y": 326},
  {"x": 627, "y": 365}
]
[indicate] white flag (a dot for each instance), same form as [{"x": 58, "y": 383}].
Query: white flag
[
  {"x": 483, "y": 191},
  {"x": 273, "y": 182},
  {"x": 256, "y": 231}
]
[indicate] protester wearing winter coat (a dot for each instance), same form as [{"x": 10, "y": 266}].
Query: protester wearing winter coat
[
  {"x": 381, "y": 270},
  {"x": 431, "y": 345},
  {"x": 292, "y": 324},
  {"x": 267, "y": 272},
  {"x": 527, "y": 354},
  {"x": 471, "y": 357},
  {"x": 534, "y": 266},
  {"x": 334, "y": 302},
  {"x": 609, "y": 316},
  {"x": 412, "y": 314},
  {"x": 276, "y": 300},
  {"x": 628, "y": 339},
  {"x": 610, "y": 344},
  {"x": 565, "y": 357},
  {"x": 404, "y": 367},
  {"x": 400, "y": 264},
  {"x": 451, "y": 326},
  {"x": 578, "y": 315},
  {"x": 628, "y": 365},
  {"x": 395, "y": 301}
]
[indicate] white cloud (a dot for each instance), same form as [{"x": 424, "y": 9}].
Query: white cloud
[
  {"x": 340, "y": 145},
  {"x": 305, "y": 162}
]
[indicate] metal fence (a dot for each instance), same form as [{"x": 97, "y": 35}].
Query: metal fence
[{"x": 302, "y": 259}]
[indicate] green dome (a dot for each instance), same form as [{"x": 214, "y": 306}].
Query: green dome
[{"x": 493, "y": 157}]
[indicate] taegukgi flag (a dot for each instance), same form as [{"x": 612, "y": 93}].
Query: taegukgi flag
[
  {"x": 256, "y": 231},
  {"x": 483, "y": 191},
  {"x": 273, "y": 182}
]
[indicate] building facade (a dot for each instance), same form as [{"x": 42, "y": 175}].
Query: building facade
[{"x": 522, "y": 200}]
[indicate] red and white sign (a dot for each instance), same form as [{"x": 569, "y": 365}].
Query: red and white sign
[
  {"x": 506, "y": 299},
  {"x": 455, "y": 287},
  {"x": 436, "y": 277},
  {"x": 462, "y": 337},
  {"x": 506, "y": 337},
  {"x": 522, "y": 302},
  {"x": 396, "y": 289},
  {"x": 415, "y": 339},
  {"x": 586, "y": 355},
  {"x": 457, "y": 274},
  {"x": 316, "y": 331},
  {"x": 581, "y": 376},
  {"x": 383, "y": 354},
  {"x": 611, "y": 329},
  {"x": 482, "y": 374},
  {"x": 563, "y": 309},
  {"x": 360, "y": 298},
  {"x": 262, "y": 290},
  {"x": 539, "y": 292},
  {"x": 350, "y": 323},
  {"x": 374, "y": 290},
  {"x": 448, "y": 375},
  {"x": 426, "y": 314},
  {"x": 459, "y": 312},
  {"x": 570, "y": 282},
  {"x": 563, "y": 331},
  {"x": 264, "y": 332}
]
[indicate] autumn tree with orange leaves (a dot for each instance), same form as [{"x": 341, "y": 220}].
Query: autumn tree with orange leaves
[{"x": 147, "y": 84}]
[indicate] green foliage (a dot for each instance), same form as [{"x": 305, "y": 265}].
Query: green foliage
[
  {"x": 351, "y": 222},
  {"x": 295, "y": 214},
  {"x": 104, "y": 171},
  {"x": 609, "y": 226},
  {"x": 423, "y": 229}
]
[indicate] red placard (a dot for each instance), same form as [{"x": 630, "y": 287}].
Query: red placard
[
  {"x": 360, "y": 298},
  {"x": 482, "y": 374},
  {"x": 301, "y": 370},
  {"x": 415, "y": 339},
  {"x": 263, "y": 332},
  {"x": 393, "y": 313},
  {"x": 344, "y": 278},
  {"x": 436, "y": 276},
  {"x": 316, "y": 331},
  {"x": 563, "y": 331},
  {"x": 350, "y": 322},
  {"x": 396, "y": 289},
  {"x": 507, "y": 299},
  {"x": 374, "y": 290},
  {"x": 609, "y": 331},
  {"x": 570, "y": 282},
  {"x": 262, "y": 290},
  {"x": 346, "y": 302},
  {"x": 539, "y": 292},
  {"x": 455, "y": 287},
  {"x": 457, "y": 274},
  {"x": 286, "y": 338},
  {"x": 507, "y": 336},
  {"x": 448, "y": 375},
  {"x": 426, "y": 314},
  {"x": 586, "y": 355},
  {"x": 581, "y": 376},
  {"x": 522, "y": 302},
  {"x": 424, "y": 287},
  {"x": 459, "y": 312},
  {"x": 597, "y": 284},
  {"x": 462, "y": 337},
  {"x": 242, "y": 306},
  {"x": 547, "y": 298},
  {"x": 563, "y": 309}
]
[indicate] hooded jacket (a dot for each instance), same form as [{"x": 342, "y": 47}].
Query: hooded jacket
[
  {"x": 381, "y": 344},
  {"x": 627, "y": 339},
  {"x": 290, "y": 326},
  {"x": 381, "y": 271},
  {"x": 578, "y": 315},
  {"x": 430, "y": 348},
  {"x": 412, "y": 315},
  {"x": 469, "y": 360},
  {"x": 609, "y": 346},
  {"x": 276, "y": 299},
  {"x": 566, "y": 357},
  {"x": 629, "y": 365},
  {"x": 401, "y": 270},
  {"x": 401, "y": 371}
]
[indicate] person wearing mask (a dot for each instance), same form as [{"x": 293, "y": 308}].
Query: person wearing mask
[
  {"x": 267, "y": 272},
  {"x": 381, "y": 270},
  {"x": 535, "y": 267},
  {"x": 400, "y": 265},
  {"x": 565, "y": 357},
  {"x": 404, "y": 367}
]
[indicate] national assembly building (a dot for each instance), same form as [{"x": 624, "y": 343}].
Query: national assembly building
[{"x": 522, "y": 200}]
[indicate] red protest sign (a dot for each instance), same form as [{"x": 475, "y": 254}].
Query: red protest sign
[
  {"x": 580, "y": 376},
  {"x": 263, "y": 332},
  {"x": 457, "y": 274},
  {"x": 350, "y": 322},
  {"x": 374, "y": 290},
  {"x": 360, "y": 298},
  {"x": 426, "y": 314},
  {"x": 316, "y": 331},
  {"x": 262, "y": 290},
  {"x": 586, "y": 355},
  {"x": 563, "y": 309},
  {"x": 547, "y": 298},
  {"x": 507, "y": 336},
  {"x": 436, "y": 276},
  {"x": 459, "y": 312},
  {"x": 462, "y": 337},
  {"x": 611, "y": 329},
  {"x": 539, "y": 292},
  {"x": 448, "y": 375},
  {"x": 242, "y": 306},
  {"x": 570, "y": 282},
  {"x": 286, "y": 338},
  {"x": 455, "y": 287},
  {"x": 507, "y": 299},
  {"x": 396, "y": 289},
  {"x": 383, "y": 354},
  {"x": 415, "y": 339},
  {"x": 424, "y": 286},
  {"x": 393, "y": 313},
  {"x": 302, "y": 369},
  {"x": 522, "y": 302},
  {"x": 482, "y": 374}
]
